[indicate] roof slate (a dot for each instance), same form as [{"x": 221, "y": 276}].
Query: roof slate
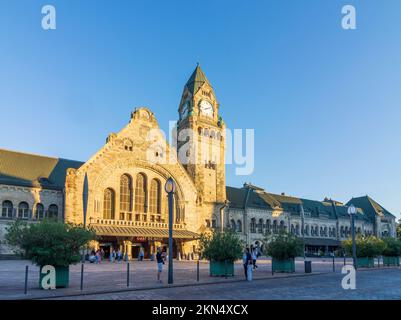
[{"x": 23, "y": 169}]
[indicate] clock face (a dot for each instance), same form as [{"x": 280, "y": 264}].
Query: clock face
[{"x": 206, "y": 108}]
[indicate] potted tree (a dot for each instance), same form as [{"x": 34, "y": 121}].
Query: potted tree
[
  {"x": 221, "y": 249},
  {"x": 391, "y": 252},
  {"x": 283, "y": 248},
  {"x": 367, "y": 248},
  {"x": 51, "y": 243}
]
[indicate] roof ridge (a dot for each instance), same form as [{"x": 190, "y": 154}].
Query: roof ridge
[{"x": 38, "y": 155}]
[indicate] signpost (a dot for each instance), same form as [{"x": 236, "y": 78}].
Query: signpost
[
  {"x": 352, "y": 212},
  {"x": 170, "y": 189}
]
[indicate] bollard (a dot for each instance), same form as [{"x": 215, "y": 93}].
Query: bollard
[
  {"x": 197, "y": 271},
  {"x": 128, "y": 274},
  {"x": 344, "y": 260},
  {"x": 26, "y": 280},
  {"x": 272, "y": 268},
  {"x": 334, "y": 266},
  {"x": 82, "y": 276}
]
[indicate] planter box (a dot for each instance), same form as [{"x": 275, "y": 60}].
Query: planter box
[
  {"x": 221, "y": 269},
  {"x": 283, "y": 265},
  {"x": 365, "y": 262},
  {"x": 62, "y": 277},
  {"x": 391, "y": 261}
]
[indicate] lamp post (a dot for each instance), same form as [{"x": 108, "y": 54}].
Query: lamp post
[
  {"x": 85, "y": 195},
  {"x": 170, "y": 189},
  {"x": 352, "y": 212}
]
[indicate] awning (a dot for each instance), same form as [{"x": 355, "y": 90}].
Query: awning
[
  {"x": 322, "y": 242},
  {"x": 128, "y": 231}
]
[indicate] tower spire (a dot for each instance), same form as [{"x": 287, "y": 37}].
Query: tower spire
[{"x": 196, "y": 80}]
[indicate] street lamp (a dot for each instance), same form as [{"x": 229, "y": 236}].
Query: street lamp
[
  {"x": 169, "y": 187},
  {"x": 352, "y": 212}
]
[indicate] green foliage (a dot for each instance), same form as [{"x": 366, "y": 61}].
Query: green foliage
[
  {"x": 284, "y": 246},
  {"x": 392, "y": 247},
  {"x": 49, "y": 242},
  {"x": 221, "y": 246},
  {"x": 365, "y": 246}
]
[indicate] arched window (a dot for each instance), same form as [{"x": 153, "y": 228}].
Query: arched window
[
  {"x": 297, "y": 229},
  {"x": 7, "y": 209},
  {"x": 125, "y": 193},
  {"x": 342, "y": 231},
  {"x": 282, "y": 226},
  {"x": 252, "y": 225},
  {"x": 307, "y": 230},
  {"x": 53, "y": 211},
  {"x": 268, "y": 226},
  {"x": 275, "y": 226},
  {"x": 108, "y": 204},
  {"x": 155, "y": 197},
  {"x": 239, "y": 226},
  {"x": 40, "y": 211},
  {"x": 140, "y": 193},
  {"x": 23, "y": 210},
  {"x": 200, "y": 130},
  {"x": 233, "y": 226},
  {"x": 325, "y": 231},
  {"x": 260, "y": 226},
  {"x": 212, "y": 134}
]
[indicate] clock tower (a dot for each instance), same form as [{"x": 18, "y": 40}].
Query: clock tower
[{"x": 201, "y": 139}]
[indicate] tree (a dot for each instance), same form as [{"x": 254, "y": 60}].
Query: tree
[
  {"x": 284, "y": 246},
  {"x": 49, "y": 242},
  {"x": 365, "y": 246},
  {"x": 221, "y": 246}
]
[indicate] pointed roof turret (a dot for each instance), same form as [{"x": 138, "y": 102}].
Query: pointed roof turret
[{"x": 196, "y": 80}]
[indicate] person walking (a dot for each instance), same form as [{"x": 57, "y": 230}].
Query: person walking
[
  {"x": 141, "y": 254},
  {"x": 119, "y": 255},
  {"x": 247, "y": 261},
  {"x": 254, "y": 257},
  {"x": 111, "y": 257},
  {"x": 160, "y": 263}
]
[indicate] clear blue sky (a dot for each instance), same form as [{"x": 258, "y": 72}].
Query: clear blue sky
[{"x": 325, "y": 103}]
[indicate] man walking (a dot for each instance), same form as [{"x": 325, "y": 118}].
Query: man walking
[
  {"x": 246, "y": 260},
  {"x": 160, "y": 262}
]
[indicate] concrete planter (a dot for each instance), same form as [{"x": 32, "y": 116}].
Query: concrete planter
[
  {"x": 391, "y": 261},
  {"x": 221, "y": 268},
  {"x": 62, "y": 277},
  {"x": 365, "y": 262},
  {"x": 287, "y": 266}
]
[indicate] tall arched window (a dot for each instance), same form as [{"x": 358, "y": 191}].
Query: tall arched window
[
  {"x": 260, "y": 226},
  {"x": 53, "y": 211},
  {"x": 40, "y": 211},
  {"x": 125, "y": 193},
  {"x": 307, "y": 230},
  {"x": 7, "y": 209},
  {"x": 155, "y": 197},
  {"x": 268, "y": 226},
  {"x": 23, "y": 210},
  {"x": 239, "y": 226},
  {"x": 282, "y": 226},
  {"x": 140, "y": 193},
  {"x": 275, "y": 229},
  {"x": 233, "y": 226},
  {"x": 108, "y": 204},
  {"x": 252, "y": 225}
]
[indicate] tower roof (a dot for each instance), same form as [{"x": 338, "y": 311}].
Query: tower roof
[{"x": 196, "y": 80}]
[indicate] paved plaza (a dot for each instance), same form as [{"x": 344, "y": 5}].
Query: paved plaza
[
  {"x": 371, "y": 285},
  {"x": 108, "y": 277}
]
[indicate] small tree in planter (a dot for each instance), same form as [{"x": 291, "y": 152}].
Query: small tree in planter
[
  {"x": 221, "y": 249},
  {"x": 283, "y": 248},
  {"x": 367, "y": 248},
  {"x": 50, "y": 243},
  {"x": 391, "y": 252}
]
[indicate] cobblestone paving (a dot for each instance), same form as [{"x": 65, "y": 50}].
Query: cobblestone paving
[
  {"x": 113, "y": 276},
  {"x": 371, "y": 285}
]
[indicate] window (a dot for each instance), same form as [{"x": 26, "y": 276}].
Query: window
[
  {"x": 239, "y": 226},
  {"x": 40, "y": 211},
  {"x": 53, "y": 211},
  {"x": 268, "y": 227},
  {"x": 252, "y": 225},
  {"x": 207, "y": 223},
  {"x": 297, "y": 230},
  {"x": 260, "y": 226},
  {"x": 214, "y": 224},
  {"x": 140, "y": 193},
  {"x": 7, "y": 209},
  {"x": 23, "y": 210},
  {"x": 108, "y": 204},
  {"x": 282, "y": 226},
  {"x": 154, "y": 197},
  {"x": 275, "y": 226},
  {"x": 233, "y": 226},
  {"x": 307, "y": 230},
  {"x": 125, "y": 193}
]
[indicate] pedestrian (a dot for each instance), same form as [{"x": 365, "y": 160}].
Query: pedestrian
[
  {"x": 126, "y": 256},
  {"x": 111, "y": 257},
  {"x": 160, "y": 262},
  {"x": 119, "y": 255},
  {"x": 245, "y": 263},
  {"x": 141, "y": 254},
  {"x": 254, "y": 257},
  {"x": 113, "y": 254},
  {"x": 98, "y": 257}
]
